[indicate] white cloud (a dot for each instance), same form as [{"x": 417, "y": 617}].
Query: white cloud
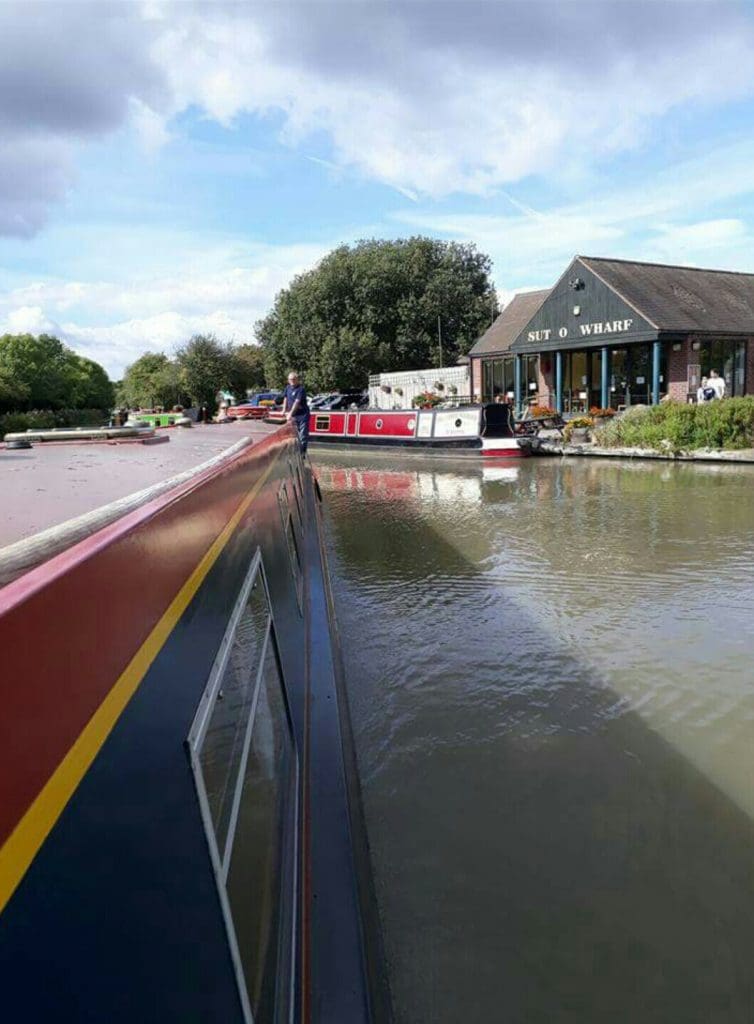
[
  {"x": 672, "y": 217},
  {"x": 436, "y": 99},
  {"x": 430, "y": 99},
  {"x": 225, "y": 293}
]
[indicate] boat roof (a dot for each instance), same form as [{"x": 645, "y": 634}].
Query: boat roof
[{"x": 51, "y": 483}]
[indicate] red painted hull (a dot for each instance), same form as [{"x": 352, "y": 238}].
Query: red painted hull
[
  {"x": 505, "y": 453},
  {"x": 466, "y": 430}
]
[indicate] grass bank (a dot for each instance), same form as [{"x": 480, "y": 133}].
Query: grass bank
[{"x": 675, "y": 426}]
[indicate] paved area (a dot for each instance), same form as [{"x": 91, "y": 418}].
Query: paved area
[{"x": 51, "y": 483}]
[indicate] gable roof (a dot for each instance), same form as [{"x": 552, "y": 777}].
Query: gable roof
[
  {"x": 681, "y": 299},
  {"x": 508, "y": 325}
]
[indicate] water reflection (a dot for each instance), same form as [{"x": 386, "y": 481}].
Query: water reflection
[{"x": 550, "y": 685}]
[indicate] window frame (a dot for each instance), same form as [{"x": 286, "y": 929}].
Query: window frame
[{"x": 194, "y": 742}]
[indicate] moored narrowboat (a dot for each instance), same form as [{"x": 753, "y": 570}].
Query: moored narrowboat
[{"x": 485, "y": 431}]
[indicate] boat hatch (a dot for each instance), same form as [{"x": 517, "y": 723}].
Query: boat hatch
[{"x": 497, "y": 420}]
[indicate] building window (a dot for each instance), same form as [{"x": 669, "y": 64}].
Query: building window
[
  {"x": 728, "y": 357},
  {"x": 630, "y": 375},
  {"x": 245, "y": 766},
  {"x": 497, "y": 378},
  {"x": 530, "y": 377}
]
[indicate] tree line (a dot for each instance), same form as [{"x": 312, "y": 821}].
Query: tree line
[
  {"x": 199, "y": 370},
  {"x": 369, "y": 307},
  {"x": 42, "y": 373}
]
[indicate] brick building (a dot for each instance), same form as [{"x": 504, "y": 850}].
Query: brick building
[{"x": 617, "y": 333}]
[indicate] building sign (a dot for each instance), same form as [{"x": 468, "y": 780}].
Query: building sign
[{"x": 585, "y": 330}]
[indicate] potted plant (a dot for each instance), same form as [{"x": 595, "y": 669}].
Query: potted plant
[
  {"x": 601, "y": 417},
  {"x": 577, "y": 430},
  {"x": 542, "y": 412},
  {"x": 426, "y": 400}
]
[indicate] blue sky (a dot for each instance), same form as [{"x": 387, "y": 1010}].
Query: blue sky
[{"x": 167, "y": 168}]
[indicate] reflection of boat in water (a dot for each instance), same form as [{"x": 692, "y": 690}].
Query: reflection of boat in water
[
  {"x": 460, "y": 485},
  {"x": 470, "y": 430},
  {"x": 180, "y": 821}
]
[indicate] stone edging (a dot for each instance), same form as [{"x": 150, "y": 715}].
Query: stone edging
[{"x": 745, "y": 456}]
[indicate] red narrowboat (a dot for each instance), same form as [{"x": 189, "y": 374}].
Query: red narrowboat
[{"x": 477, "y": 430}]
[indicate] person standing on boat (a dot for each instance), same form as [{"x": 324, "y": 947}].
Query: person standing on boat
[{"x": 296, "y": 408}]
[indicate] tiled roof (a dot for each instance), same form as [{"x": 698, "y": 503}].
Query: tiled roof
[
  {"x": 503, "y": 332},
  {"x": 683, "y": 299}
]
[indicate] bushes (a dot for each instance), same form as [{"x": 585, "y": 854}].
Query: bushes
[
  {"x": 676, "y": 427},
  {"x": 45, "y": 419}
]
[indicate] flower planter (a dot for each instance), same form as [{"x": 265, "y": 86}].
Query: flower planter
[{"x": 580, "y": 435}]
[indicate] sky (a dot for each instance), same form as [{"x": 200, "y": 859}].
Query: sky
[{"x": 167, "y": 168}]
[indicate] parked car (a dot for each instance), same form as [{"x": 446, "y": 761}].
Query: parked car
[{"x": 341, "y": 400}]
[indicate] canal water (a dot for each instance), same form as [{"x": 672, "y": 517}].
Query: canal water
[{"x": 550, "y": 673}]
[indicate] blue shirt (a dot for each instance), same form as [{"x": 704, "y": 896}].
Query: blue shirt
[{"x": 295, "y": 392}]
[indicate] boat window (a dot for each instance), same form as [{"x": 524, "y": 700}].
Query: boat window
[
  {"x": 258, "y": 868},
  {"x": 297, "y": 479},
  {"x": 295, "y": 559},
  {"x": 321, "y": 422},
  {"x": 299, "y": 475},
  {"x": 296, "y": 502},
  {"x": 245, "y": 765},
  {"x": 285, "y": 507},
  {"x": 225, "y": 737}
]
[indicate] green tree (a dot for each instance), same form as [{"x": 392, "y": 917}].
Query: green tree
[
  {"x": 34, "y": 371},
  {"x": 89, "y": 387},
  {"x": 206, "y": 367},
  {"x": 41, "y": 373},
  {"x": 374, "y": 306},
  {"x": 13, "y": 394},
  {"x": 246, "y": 369},
  {"x": 152, "y": 380}
]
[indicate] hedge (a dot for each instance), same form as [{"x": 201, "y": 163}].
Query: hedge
[
  {"x": 45, "y": 419},
  {"x": 676, "y": 426}
]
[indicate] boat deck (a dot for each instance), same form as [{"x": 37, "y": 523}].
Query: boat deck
[{"x": 52, "y": 483}]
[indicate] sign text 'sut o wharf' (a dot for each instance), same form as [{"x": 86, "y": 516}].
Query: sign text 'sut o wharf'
[{"x": 586, "y": 330}]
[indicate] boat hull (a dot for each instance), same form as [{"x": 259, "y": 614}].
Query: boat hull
[
  {"x": 477, "y": 431},
  {"x": 113, "y": 886}
]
